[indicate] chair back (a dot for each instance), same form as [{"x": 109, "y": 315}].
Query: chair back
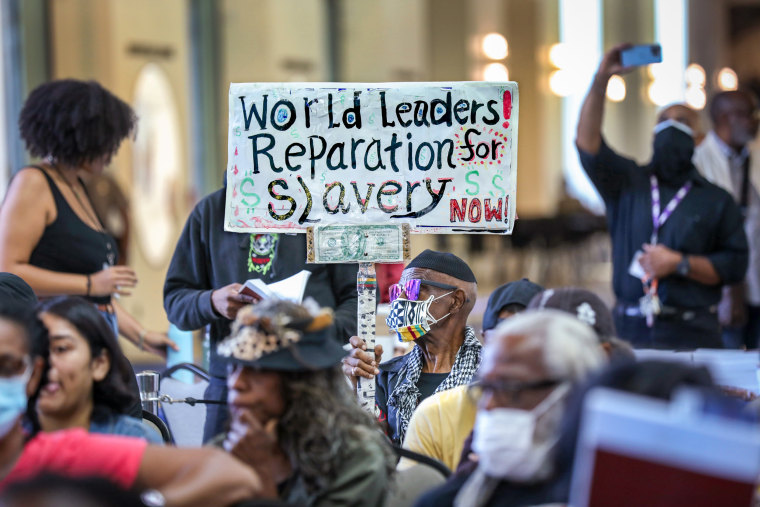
[
  {"x": 185, "y": 421},
  {"x": 407, "y": 486},
  {"x": 155, "y": 423}
]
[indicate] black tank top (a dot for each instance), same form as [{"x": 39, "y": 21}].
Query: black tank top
[{"x": 68, "y": 245}]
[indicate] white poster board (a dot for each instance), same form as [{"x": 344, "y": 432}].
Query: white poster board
[
  {"x": 441, "y": 157},
  {"x": 634, "y": 450}
]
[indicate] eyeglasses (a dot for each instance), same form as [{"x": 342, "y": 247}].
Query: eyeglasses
[
  {"x": 412, "y": 288},
  {"x": 11, "y": 366},
  {"x": 507, "y": 393}
]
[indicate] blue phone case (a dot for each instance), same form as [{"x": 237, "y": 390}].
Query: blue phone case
[{"x": 641, "y": 55}]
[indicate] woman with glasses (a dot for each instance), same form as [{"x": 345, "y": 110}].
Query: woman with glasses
[{"x": 429, "y": 307}]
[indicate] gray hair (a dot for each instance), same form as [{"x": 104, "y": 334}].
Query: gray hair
[
  {"x": 571, "y": 347},
  {"x": 323, "y": 424}
]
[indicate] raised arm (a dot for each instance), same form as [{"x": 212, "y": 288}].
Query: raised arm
[{"x": 589, "y": 135}]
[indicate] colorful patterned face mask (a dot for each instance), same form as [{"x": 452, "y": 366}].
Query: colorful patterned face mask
[{"x": 412, "y": 319}]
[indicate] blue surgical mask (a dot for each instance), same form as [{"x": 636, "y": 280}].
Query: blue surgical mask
[{"x": 13, "y": 400}]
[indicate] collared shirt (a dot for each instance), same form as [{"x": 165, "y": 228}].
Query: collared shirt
[
  {"x": 752, "y": 218},
  {"x": 707, "y": 222}
]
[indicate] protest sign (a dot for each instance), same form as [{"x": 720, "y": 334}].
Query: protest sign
[{"x": 441, "y": 157}]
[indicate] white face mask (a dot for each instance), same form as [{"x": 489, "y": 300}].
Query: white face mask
[{"x": 517, "y": 444}]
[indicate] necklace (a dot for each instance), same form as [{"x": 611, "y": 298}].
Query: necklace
[{"x": 92, "y": 216}]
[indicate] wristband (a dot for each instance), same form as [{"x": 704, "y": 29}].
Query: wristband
[{"x": 89, "y": 285}]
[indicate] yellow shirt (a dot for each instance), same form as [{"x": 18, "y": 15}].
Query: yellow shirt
[{"x": 440, "y": 425}]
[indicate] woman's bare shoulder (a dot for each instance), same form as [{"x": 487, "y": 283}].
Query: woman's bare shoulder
[{"x": 30, "y": 178}]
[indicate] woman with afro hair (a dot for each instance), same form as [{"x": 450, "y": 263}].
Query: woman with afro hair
[{"x": 50, "y": 234}]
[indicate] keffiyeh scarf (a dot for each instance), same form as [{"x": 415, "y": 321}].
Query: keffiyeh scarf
[{"x": 406, "y": 396}]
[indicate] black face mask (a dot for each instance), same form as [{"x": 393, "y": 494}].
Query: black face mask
[{"x": 671, "y": 162}]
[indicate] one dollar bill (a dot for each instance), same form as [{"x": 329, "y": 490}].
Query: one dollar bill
[{"x": 357, "y": 243}]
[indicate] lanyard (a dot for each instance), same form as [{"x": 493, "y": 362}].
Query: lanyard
[{"x": 658, "y": 219}]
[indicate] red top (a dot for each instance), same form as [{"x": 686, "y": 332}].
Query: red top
[{"x": 76, "y": 453}]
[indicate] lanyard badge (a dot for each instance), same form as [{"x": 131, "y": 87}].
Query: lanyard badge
[{"x": 650, "y": 305}]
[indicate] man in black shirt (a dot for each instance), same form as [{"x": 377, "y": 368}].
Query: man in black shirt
[{"x": 679, "y": 253}]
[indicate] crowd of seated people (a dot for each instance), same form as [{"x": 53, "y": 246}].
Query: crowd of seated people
[
  {"x": 501, "y": 408},
  {"x": 508, "y": 426}
]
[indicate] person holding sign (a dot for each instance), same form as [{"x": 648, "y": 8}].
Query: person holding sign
[
  {"x": 676, "y": 238},
  {"x": 50, "y": 234},
  {"x": 210, "y": 266},
  {"x": 429, "y": 306}
]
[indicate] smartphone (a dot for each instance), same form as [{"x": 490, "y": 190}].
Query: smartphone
[{"x": 643, "y": 54}]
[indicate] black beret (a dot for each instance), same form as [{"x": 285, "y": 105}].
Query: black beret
[
  {"x": 518, "y": 292},
  {"x": 442, "y": 262}
]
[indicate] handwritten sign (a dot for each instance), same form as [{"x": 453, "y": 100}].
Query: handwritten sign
[{"x": 441, "y": 157}]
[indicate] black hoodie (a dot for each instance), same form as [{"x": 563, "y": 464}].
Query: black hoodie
[{"x": 208, "y": 258}]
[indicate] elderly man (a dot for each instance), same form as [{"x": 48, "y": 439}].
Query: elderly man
[
  {"x": 724, "y": 159},
  {"x": 429, "y": 306},
  {"x": 529, "y": 364},
  {"x": 443, "y": 422},
  {"x": 676, "y": 238}
]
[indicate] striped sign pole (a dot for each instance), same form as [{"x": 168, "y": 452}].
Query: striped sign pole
[
  {"x": 365, "y": 245},
  {"x": 366, "y": 287}
]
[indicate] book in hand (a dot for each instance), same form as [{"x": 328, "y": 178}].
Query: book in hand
[{"x": 291, "y": 288}]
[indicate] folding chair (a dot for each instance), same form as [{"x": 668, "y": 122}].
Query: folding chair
[
  {"x": 184, "y": 420},
  {"x": 408, "y": 486},
  {"x": 155, "y": 423}
]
